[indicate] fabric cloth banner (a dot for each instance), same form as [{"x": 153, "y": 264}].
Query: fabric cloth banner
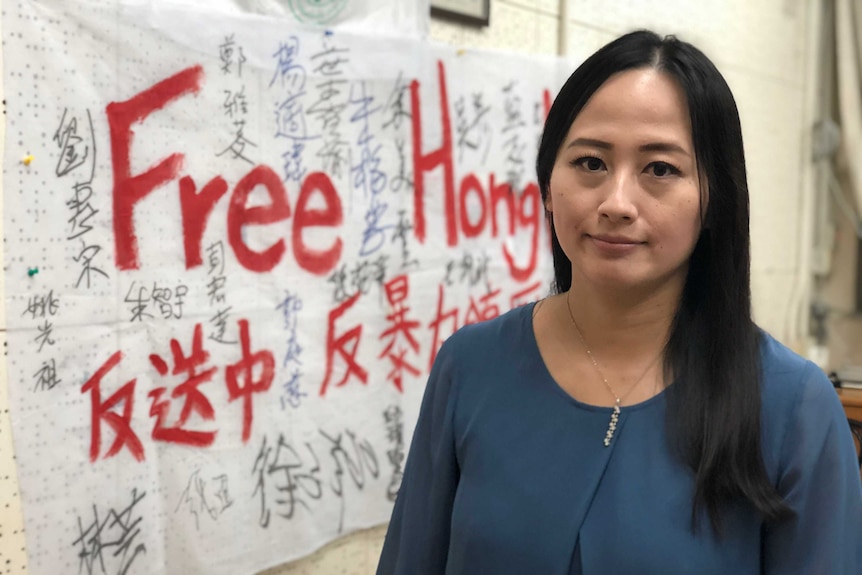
[
  {"x": 389, "y": 16},
  {"x": 234, "y": 245}
]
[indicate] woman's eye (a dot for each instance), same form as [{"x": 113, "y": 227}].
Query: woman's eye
[
  {"x": 662, "y": 169},
  {"x": 590, "y": 163}
]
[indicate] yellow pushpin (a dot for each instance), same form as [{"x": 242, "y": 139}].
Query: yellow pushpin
[
  {"x": 27, "y": 159},
  {"x": 460, "y": 51}
]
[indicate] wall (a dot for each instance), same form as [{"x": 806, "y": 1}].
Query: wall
[
  {"x": 762, "y": 48},
  {"x": 837, "y": 290}
]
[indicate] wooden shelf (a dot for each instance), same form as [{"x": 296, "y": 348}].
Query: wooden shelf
[{"x": 852, "y": 401}]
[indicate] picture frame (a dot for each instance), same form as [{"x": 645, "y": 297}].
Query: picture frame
[{"x": 474, "y": 12}]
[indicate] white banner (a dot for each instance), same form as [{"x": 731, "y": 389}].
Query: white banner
[{"x": 233, "y": 247}]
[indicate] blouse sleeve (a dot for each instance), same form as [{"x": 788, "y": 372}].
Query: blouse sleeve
[
  {"x": 820, "y": 481},
  {"x": 417, "y": 540}
]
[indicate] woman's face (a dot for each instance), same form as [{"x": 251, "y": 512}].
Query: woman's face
[{"x": 624, "y": 191}]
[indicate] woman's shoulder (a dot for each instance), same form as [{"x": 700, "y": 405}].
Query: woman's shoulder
[
  {"x": 788, "y": 375},
  {"x": 806, "y": 439},
  {"x": 796, "y": 394},
  {"x": 789, "y": 378},
  {"x": 778, "y": 359},
  {"x": 481, "y": 341},
  {"x": 504, "y": 327}
]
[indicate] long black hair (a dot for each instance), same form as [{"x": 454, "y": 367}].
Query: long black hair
[{"x": 712, "y": 353}]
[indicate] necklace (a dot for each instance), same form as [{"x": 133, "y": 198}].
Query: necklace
[{"x": 615, "y": 415}]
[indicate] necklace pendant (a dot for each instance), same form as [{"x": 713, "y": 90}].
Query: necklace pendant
[{"x": 612, "y": 426}]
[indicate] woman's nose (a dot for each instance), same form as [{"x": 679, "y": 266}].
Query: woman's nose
[{"x": 618, "y": 204}]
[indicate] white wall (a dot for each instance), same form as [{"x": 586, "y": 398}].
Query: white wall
[{"x": 760, "y": 46}]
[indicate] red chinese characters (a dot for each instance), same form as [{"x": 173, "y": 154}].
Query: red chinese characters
[
  {"x": 481, "y": 307},
  {"x": 102, "y": 410},
  {"x": 194, "y": 399},
  {"x": 239, "y": 377},
  {"x": 397, "y": 290},
  {"x": 117, "y": 410},
  {"x": 345, "y": 345},
  {"x": 401, "y": 347}
]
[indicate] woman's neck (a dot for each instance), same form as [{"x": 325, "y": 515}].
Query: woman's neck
[{"x": 619, "y": 323}]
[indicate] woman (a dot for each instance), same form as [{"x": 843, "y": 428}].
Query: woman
[{"x": 637, "y": 421}]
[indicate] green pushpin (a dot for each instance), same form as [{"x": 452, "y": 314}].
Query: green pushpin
[{"x": 32, "y": 271}]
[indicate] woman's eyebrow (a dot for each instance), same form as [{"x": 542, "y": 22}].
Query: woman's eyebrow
[
  {"x": 590, "y": 143},
  {"x": 651, "y": 147},
  {"x": 663, "y": 147}
]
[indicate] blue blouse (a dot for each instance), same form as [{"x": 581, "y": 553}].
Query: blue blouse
[{"x": 507, "y": 474}]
